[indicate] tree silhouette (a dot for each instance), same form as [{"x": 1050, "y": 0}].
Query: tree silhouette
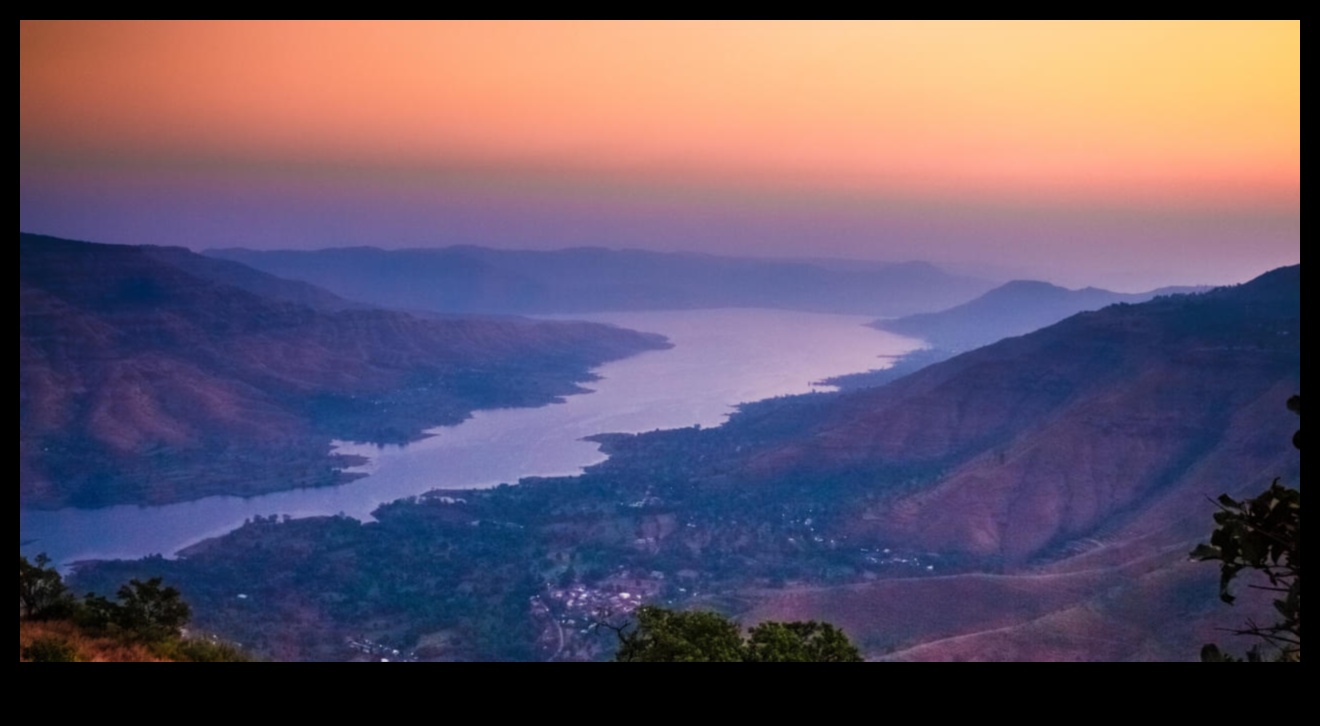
[
  {"x": 151, "y": 611},
  {"x": 1262, "y": 534},
  {"x": 41, "y": 590}
]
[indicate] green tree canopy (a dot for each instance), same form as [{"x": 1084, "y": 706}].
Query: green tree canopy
[
  {"x": 145, "y": 610},
  {"x": 669, "y": 636},
  {"x": 799, "y": 642},
  {"x": 152, "y": 611},
  {"x": 41, "y": 590},
  {"x": 147, "y": 614},
  {"x": 662, "y": 635}
]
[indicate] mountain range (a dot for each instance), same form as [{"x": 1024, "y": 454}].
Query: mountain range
[{"x": 593, "y": 279}]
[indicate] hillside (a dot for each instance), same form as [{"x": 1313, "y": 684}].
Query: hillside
[
  {"x": 1032, "y": 499},
  {"x": 481, "y": 280},
  {"x": 1077, "y": 466},
  {"x": 1015, "y": 308},
  {"x": 149, "y": 375},
  {"x": 1058, "y": 431}
]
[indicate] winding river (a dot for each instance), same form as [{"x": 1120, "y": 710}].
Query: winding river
[{"x": 720, "y": 358}]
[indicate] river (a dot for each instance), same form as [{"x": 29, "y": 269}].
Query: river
[{"x": 720, "y": 358}]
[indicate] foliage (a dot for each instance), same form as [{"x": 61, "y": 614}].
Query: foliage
[
  {"x": 96, "y": 613},
  {"x": 145, "y": 612},
  {"x": 667, "y": 636},
  {"x": 1262, "y": 534},
  {"x": 49, "y": 649},
  {"x": 150, "y": 611},
  {"x": 663, "y": 635},
  {"x": 41, "y": 590},
  {"x": 147, "y": 616},
  {"x": 799, "y": 642},
  {"x": 199, "y": 650}
]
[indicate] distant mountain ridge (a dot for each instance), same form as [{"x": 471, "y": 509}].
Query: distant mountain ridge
[
  {"x": 246, "y": 278},
  {"x": 151, "y": 374},
  {"x": 468, "y": 279},
  {"x": 1015, "y": 308}
]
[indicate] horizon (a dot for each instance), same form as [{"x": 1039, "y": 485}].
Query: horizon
[
  {"x": 1126, "y": 156},
  {"x": 999, "y": 278}
]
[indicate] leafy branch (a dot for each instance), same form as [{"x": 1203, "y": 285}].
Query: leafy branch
[{"x": 1263, "y": 534}]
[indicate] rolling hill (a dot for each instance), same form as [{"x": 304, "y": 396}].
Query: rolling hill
[{"x": 152, "y": 374}]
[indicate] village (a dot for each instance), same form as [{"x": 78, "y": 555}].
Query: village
[{"x": 579, "y": 620}]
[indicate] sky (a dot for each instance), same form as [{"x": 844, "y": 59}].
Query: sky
[{"x": 1121, "y": 154}]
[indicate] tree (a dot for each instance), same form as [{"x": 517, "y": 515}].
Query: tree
[
  {"x": 145, "y": 610},
  {"x": 146, "y": 614},
  {"x": 151, "y": 611},
  {"x": 41, "y": 590},
  {"x": 1262, "y": 534},
  {"x": 799, "y": 642},
  {"x": 662, "y": 635},
  {"x": 669, "y": 636}
]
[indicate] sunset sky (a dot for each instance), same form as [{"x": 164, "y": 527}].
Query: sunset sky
[{"x": 1125, "y": 155}]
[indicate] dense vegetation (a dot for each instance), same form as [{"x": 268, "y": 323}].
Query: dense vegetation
[
  {"x": 668, "y": 636},
  {"x": 144, "y": 622}
]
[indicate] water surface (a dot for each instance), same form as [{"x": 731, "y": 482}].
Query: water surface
[{"x": 720, "y": 358}]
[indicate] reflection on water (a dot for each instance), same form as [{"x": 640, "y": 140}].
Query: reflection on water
[{"x": 720, "y": 358}]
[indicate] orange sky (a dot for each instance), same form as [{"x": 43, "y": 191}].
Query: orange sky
[
  {"x": 1136, "y": 115},
  {"x": 1182, "y": 110}
]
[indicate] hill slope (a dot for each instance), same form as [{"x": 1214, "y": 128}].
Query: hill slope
[
  {"x": 1076, "y": 467},
  {"x": 1015, "y": 308},
  {"x": 1048, "y": 436},
  {"x": 141, "y": 379}
]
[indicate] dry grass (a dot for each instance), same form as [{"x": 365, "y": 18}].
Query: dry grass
[{"x": 84, "y": 648}]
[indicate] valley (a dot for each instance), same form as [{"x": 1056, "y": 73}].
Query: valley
[
  {"x": 717, "y": 359},
  {"x": 142, "y": 382},
  {"x": 1033, "y": 499},
  {"x": 662, "y": 341}
]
